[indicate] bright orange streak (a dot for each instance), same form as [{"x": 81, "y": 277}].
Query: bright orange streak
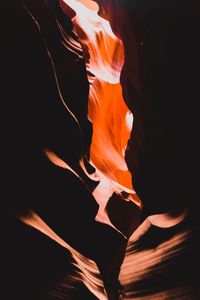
[
  {"x": 111, "y": 119},
  {"x": 108, "y": 111}
]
